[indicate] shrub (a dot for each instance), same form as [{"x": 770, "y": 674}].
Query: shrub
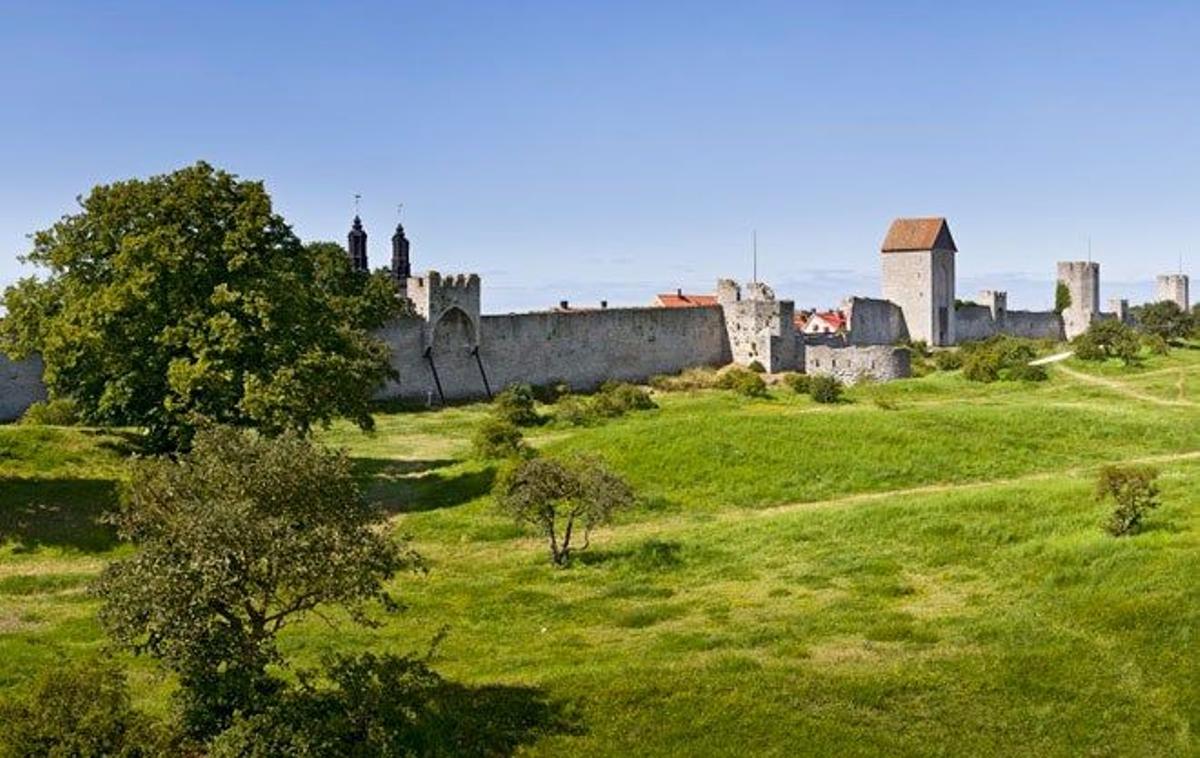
[
  {"x": 515, "y": 405},
  {"x": 825, "y": 389},
  {"x": 81, "y": 708},
  {"x": 1001, "y": 358},
  {"x": 555, "y": 496},
  {"x": 1108, "y": 339},
  {"x": 747, "y": 383},
  {"x": 757, "y": 367},
  {"x": 948, "y": 360},
  {"x": 551, "y": 392},
  {"x": 1134, "y": 492},
  {"x": 799, "y": 383},
  {"x": 743, "y": 381},
  {"x": 1155, "y": 344},
  {"x": 60, "y": 412},
  {"x": 574, "y": 410},
  {"x": 498, "y": 438},
  {"x": 618, "y": 398}
]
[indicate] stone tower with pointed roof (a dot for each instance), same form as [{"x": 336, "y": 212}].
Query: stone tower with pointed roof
[{"x": 918, "y": 275}]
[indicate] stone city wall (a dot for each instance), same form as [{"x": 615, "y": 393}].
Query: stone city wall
[
  {"x": 581, "y": 348},
  {"x": 852, "y": 363},
  {"x": 20, "y": 386}
]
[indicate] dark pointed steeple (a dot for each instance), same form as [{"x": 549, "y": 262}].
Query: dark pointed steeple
[
  {"x": 357, "y": 245},
  {"x": 401, "y": 265}
]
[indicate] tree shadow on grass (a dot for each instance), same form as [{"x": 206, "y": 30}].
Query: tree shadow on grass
[
  {"x": 416, "y": 486},
  {"x": 57, "y": 512},
  {"x": 494, "y": 720}
]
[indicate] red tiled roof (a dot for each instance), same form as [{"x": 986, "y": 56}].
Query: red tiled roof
[
  {"x": 681, "y": 300},
  {"x": 836, "y": 320},
  {"x": 909, "y": 234}
]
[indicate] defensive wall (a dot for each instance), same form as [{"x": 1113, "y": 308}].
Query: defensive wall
[
  {"x": 583, "y": 348},
  {"x": 853, "y": 364},
  {"x": 20, "y": 386}
]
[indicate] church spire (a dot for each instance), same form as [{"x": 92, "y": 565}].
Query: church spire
[
  {"x": 357, "y": 242},
  {"x": 401, "y": 264}
]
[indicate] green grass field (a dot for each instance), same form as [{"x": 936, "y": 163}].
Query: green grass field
[{"x": 924, "y": 579}]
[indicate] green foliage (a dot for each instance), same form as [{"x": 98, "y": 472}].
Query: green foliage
[
  {"x": 1133, "y": 491},
  {"x": 551, "y": 392},
  {"x": 57, "y": 412},
  {"x": 1062, "y": 296},
  {"x": 498, "y": 438},
  {"x": 798, "y": 382},
  {"x": 757, "y": 367},
  {"x": 555, "y": 495},
  {"x": 1108, "y": 339},
  {"x": 1155, "y": 344},
  {"x": 515, "y": 404},
  {"x": 1001, "y": 358},
  {"x": 618, "y": 398},
  {"x": 1165, "y": 319},
  {"x": 80, "y": 708},
  {"x": 612, "y": 400},
  {"x": 184, "y": 299},
  {"x": 235, "y": 541},
  {"x": 824, "y": 388},
  {"x": 948, "y": 360},
  {"x": 743, "y": 381},
  {"x": 388, "y": 705},
  {"x": 574, "y": 411}
]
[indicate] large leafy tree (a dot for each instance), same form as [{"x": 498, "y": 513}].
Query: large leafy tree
[
  {"x": 1165, "y": 319},
  {"x": 235, "y": 540},
  {"x": 184, "y": 299}
]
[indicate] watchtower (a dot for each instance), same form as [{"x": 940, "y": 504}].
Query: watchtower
[
  {"x": 1082, "y": 279},
  {"x": 918, "y": 275},
  {"x": 1173, "y": 287}
]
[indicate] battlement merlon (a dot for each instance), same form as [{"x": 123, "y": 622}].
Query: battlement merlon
[{"x": 433, "y": 294}]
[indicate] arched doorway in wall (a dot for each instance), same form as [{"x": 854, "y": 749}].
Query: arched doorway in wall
[{"x": 453, "y": 358}]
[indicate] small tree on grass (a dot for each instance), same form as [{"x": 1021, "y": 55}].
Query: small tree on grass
[
  {"x": 236, "y": 540},
  {"x": 1108, "y": 339},
  {"x": 1133, "y": 490},
  {"x": 557, "y": 497}
]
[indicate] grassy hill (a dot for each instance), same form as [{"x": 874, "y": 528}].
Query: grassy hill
[{"x": 918, "y": 571}]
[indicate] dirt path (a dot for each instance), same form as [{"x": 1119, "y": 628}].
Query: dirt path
[{"x": 1122, "y": 388}]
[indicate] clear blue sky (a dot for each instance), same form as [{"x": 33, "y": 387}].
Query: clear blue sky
[{"x": 611, "y": 149}]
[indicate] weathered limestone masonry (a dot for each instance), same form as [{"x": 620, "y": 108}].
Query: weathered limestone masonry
[
  {"x": 871, "y": 321},
  {"x": 20, "y": 386},
  {"x": 1083, "y": 282},
  {"x": 990, "y": 316},
  {"x": 760, "y": 327},
  {"x": 1173, "y": 287},
  {"x": 879, "y": 363},
  {"x": 452, "y": 352},
  {"x": 918, "y": 275}
]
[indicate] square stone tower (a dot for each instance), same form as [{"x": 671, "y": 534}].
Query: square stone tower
[
  {"x": 1083, "y": 282},
  {"x": 918, "y": 275},
  {"x": 1173, "y": 287}
]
